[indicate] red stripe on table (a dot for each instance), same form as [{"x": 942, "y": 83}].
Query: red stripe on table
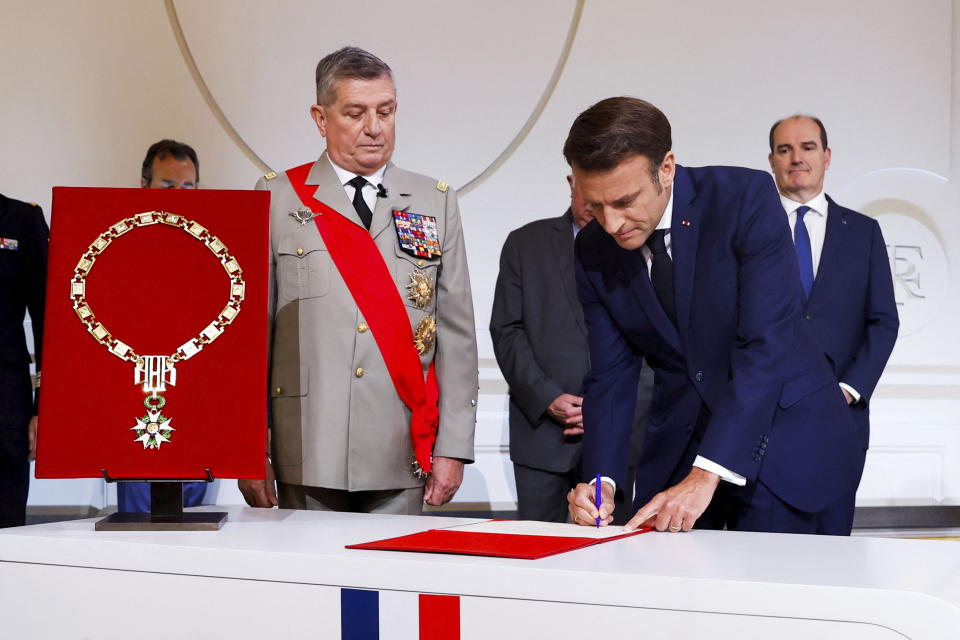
[{"x": 439, "y": 617}]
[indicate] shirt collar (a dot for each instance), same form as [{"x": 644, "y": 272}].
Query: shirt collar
[
  {"x": 667, "y": 219},
  {"x": 818, "y": 204},
  {"x": 345, "y": 176}
]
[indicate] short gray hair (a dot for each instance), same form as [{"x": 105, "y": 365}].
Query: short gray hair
[{"x": 348, "y": 62}]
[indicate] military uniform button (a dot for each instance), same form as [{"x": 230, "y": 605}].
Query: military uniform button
[
  {"x": 808, "y": 317},
  {"x": 278, "y": 390},
  {"x": 699, "y": 376},
  {"x": 362, "y": 327},
  {"x": 420, "y": 263},
  {"x": 473, "y": 403},
  {"x": 299, "y": 251},
  {"x": 360, "y": 372}
]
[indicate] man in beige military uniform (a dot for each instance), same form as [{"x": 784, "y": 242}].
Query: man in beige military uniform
[{"x": 340, "y": 431}]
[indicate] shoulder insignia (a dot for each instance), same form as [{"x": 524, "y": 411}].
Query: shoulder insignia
[
  {"x": 442, "y": 186},
  {"x": 271, "y": 175},
  {"x": 34, "y": 204}
]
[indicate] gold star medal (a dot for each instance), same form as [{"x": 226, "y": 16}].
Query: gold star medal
[
  {"x": 426, "y": 334},
  {"x": 420, "y": 288}
]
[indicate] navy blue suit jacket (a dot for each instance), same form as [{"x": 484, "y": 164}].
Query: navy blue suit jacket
[
  {"x": 741, "y": 371},
  {"x": 851, "y": 310}
]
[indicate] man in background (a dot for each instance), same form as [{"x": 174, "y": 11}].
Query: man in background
[
  {"x": 540, "y": 341},
  {"x": 168, "y": 165},
  {"x": 23, "y": 280},
  {"x": 848, "y": 300}
]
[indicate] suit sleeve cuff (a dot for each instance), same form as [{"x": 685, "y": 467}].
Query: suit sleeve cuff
[
  {"x": 724, "y": 473},
  {"x": 605, "y": 480},
  {"x": 853, "y": 392}
]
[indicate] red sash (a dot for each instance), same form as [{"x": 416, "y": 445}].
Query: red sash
[{"x": 373, "y": 288}]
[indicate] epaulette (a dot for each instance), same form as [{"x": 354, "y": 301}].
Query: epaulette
[
  {"x": 271, "y": 175},
  {"x": 442, "y": 186}
]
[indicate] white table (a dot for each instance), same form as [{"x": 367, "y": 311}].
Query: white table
[{"x": 281, "y": 573}]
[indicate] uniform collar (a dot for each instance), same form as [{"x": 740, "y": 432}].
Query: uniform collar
[{"x": 345, "y": 176}]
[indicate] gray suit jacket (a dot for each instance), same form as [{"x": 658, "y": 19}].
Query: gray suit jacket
[
  {"x": 540, "y": 341},
  {"x": 332, "y": 427}
]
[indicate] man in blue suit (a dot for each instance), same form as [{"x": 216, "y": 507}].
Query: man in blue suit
[
  {"x": 848, "y": 300},
  {"x": 694, "y": 270}
]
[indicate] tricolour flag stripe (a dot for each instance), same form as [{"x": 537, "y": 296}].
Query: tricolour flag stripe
[
  {"x": 439, "y": 617},
  {"x": 398, "y": 615},
  {"x": 359, "y": 614}
]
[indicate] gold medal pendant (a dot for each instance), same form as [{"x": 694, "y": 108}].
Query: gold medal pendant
[
  {"x": 153, "y": 429},
  {"x": 154, "y": 373},
  {"x": 426, "y": 334},
  {"x": 420, "y": 288}
]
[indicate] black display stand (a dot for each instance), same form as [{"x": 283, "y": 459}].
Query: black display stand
[{"x": 166, "y": 509}]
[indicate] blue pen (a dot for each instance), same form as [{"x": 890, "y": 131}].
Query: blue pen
[{"x": 599, "y": 499}]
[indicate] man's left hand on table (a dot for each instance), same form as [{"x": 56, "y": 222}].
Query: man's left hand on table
[{"x": 679, "y": 507}]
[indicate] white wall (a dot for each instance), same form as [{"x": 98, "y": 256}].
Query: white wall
[{"x": 88, "y": 86}]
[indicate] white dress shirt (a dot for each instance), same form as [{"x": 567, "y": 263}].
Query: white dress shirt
[
  {"x": 815, "y": 221},
  {"x": 369, "y": 190}
]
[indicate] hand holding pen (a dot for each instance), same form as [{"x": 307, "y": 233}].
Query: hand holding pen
[{"x": 582, "y": 504}]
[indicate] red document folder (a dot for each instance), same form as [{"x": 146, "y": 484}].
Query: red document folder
[
  {"x": 154, "y": 288},
  {"x": 498, "y": 545}
]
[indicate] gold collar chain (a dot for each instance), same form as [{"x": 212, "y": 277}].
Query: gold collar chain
[{"x": 155, "y": 372}]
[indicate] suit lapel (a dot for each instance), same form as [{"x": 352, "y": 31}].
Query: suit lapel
[
  {"x": 329, "y": 190},
  {"x": 832, "y": 245},
  {"x": 398, "y": 199},
  {"x": 562, "y": 240},
  {"x": 684, "y": 239}
]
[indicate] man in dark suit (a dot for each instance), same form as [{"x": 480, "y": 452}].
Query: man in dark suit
[
  {"x": 848, "y": 300},
  {"x": 694, "y": 270},
  {"x": 541, "y": 346},
  {"x": 23, "y": 280}
]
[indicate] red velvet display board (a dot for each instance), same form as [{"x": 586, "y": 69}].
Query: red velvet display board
[{"x": 155, "y": 288}]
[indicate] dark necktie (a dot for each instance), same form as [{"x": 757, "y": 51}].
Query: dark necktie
[
  {"x": 366, "y": 216},
  {"x": 801, "y": 241},
  {"x": 661, "y": 273}
]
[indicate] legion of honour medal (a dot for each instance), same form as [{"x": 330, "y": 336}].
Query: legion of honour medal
[
  {"x": 426, "y": 334},
  {"x": 157, "y": 371},
  {"x": 420, "y": 288}
]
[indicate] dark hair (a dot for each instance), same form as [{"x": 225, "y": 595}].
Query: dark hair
[
  {"x": 348, "y": 62},
  {"x": 823, "y": 130},
  {"x": 614, "y": 129},
  {"x": 168, "y": 149}
]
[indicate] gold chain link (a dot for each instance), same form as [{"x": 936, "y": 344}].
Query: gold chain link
[{"x": 78, "y": 284}]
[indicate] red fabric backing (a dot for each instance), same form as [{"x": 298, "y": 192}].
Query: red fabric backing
[
  {"x": 500, "y": 545},
  {"x": 439, "y": 617},
  {"x": 154, "y": 288}
]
